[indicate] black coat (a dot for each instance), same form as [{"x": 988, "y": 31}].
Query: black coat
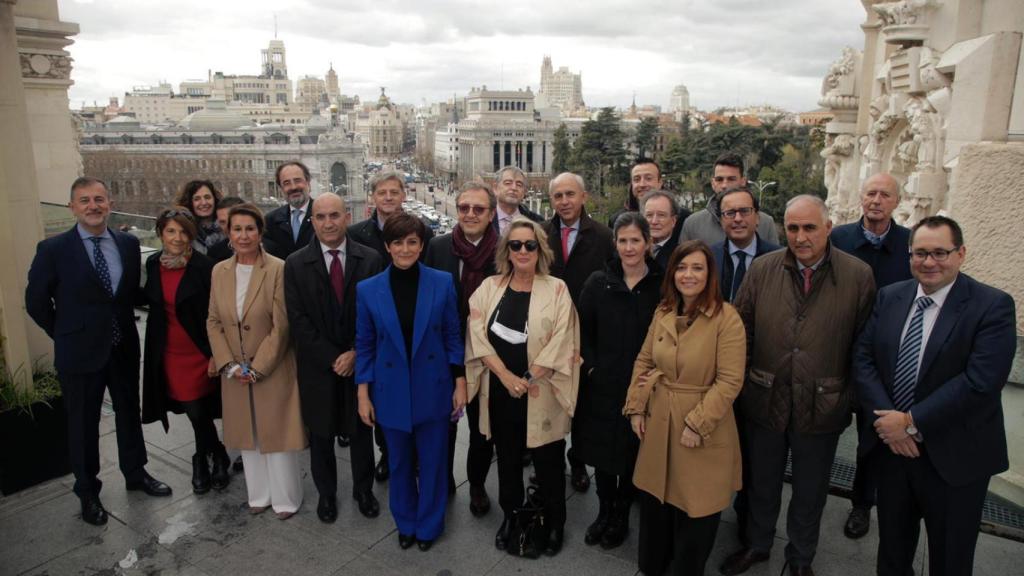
[
  {"x": 441, "y": 257},
  {"x": 322, "y": 330},
  {"x": 191, "y": 305},
  {"x": 220, "y": 251},
  {"x": 277, "y": 236},
  {"x": 368, "y": 234},
  {"x": 592, "y": 250},
  {"x": 723, "y": 262},
  {"x": 613, "y": 324},
  {"x": 890, "y": 262},
  {"x": 523, "y": 210}
]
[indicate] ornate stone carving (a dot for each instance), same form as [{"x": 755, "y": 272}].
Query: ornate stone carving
[
  {"x": 45, "y": 66},
  {"x": 904, "y": 22},
  {"x": 839, "y": 87}
]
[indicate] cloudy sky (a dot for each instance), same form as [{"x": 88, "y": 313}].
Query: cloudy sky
[{"x": 726, "y": 52}]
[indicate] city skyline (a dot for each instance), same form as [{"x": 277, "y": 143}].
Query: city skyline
[{"x": 728, "y": 52}]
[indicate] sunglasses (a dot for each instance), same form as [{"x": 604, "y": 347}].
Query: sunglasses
[
  {"x": 172, "y": 212},
  {"x": 518, "y": 245},
  {"x": 477, "y": 210}
]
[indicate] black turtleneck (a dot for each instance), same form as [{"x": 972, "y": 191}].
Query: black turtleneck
[{"x": 404, "y": 286}]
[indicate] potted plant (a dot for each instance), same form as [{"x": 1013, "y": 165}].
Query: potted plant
[{"x": 34, "y": 428}]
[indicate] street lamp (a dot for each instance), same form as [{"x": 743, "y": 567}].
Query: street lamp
[{"x": 761, "y": 186}]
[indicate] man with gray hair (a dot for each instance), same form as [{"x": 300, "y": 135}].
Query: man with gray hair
[
  {"x": 581, "y": 247},
  {"x": 803, "y": 308},
  {"x": 661, "y": 210},
  {"x": 510, "y": 190}
]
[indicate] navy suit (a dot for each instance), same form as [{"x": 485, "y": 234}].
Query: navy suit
[
  {"x": 723, "y": 262},
  {"x": 278, "y": 239},
  {"x": 890, "y": 263},
  {"x": 67, "y": 299},
  {"x": 957, "y": 409},
  {"x": 412, "y": 391}
]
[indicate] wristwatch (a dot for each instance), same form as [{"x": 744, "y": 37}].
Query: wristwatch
[{"x": 912, "y": 430}]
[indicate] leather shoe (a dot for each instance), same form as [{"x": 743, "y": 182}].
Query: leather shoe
[
  {"x": 857, "y": 523},
  {"x": 327, "y": 509},
  {"x": 238, "y": 465},
  {"x": 382, "y": 472},
  {"x": 150, "y": 486},
  {"x": 554, "y": 544},
  {"x": 406, "y": 540},
  {"x": 368, "y": 505},
  {"x": 740, "y": 562},
  {"x": 479, "y": 501},
  {"x": 501, "y": 538},
  {"x": 93, "y": 512},
  {"x": 579, "y": 479},
  {"x": 424, "y": 545},
  {"x": 343, "y": 441},
  {"x": 800, "y": 570}
]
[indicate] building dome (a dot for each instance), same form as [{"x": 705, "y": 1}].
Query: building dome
[{"x": 215, "y": 117}]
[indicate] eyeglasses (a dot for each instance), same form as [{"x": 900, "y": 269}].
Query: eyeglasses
[
  {"x": 477, "y": 210},
  {"x": 745, "y": 211},
  {"x": 518, "y": 245},
  {"x": 939, "y": 254}
]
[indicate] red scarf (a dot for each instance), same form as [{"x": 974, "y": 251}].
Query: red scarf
[{"x": 475, "y": 260}]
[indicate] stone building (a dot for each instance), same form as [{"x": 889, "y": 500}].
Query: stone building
[
  {"x": 145, "y": 166},
  {"x": 331, "y": 81},
  {"x": 560, "y": 89},
  {"x": 383, "y": 128},
  {"x": 310, "y": 92},
  {"x": 679, "y": 102}
]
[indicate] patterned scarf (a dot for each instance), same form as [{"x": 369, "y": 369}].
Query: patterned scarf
[{"x": 474, "y": 260}]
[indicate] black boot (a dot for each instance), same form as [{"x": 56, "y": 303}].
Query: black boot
[
  {"x": 200, "y": 473},
  {"x": 598, "y": 527},
  {"x": 618, "y": 525},
  {"x": 221, "y": 466}
]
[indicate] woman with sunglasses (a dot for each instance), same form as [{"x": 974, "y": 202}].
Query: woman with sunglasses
[
  {"x": 522, "y": 358},
  {"x": 202, "y": 198},
  {"x": 178, "y": 372},
  {"x": 615, "y": 306}
]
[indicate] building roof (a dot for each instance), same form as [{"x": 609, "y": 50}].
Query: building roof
[{"x": 216, "y": 116}]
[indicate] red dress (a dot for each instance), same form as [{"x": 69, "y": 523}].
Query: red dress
[{"x": 184, "y": 364}]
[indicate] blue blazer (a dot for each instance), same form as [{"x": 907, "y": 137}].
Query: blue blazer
[
  {"x": 725, "y": 265},
  {"x": 66, "y": 298},
  {"x": 890, "y": 263},
  {"x": 957, "y": 406},
  {"x": 405, "y": 395}
]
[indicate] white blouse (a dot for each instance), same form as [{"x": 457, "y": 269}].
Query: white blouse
[{"x": 243, "y": 272}]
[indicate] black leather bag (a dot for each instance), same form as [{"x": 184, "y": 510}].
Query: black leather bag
[{"x": 528, "y": 529}]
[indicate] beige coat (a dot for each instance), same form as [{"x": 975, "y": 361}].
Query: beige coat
[
  {"x": 263, "y": 335},
  {"x": 553, "y": 342},
  {"x": 694, "y": 376}
]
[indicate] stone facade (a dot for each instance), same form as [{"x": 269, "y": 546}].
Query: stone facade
[{"x": 560, "y": 89}]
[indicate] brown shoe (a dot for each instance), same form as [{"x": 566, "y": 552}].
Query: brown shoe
[
  {"x": 800, "y": 570},
  {"x": 740, "y": 562}
]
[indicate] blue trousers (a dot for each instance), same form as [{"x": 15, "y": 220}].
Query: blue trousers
[{"x": 418, "y": 503}]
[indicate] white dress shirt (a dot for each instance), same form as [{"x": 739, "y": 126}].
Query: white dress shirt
[
  {"x": 341, "y": 255},
  {"x": 750, "y": 251},
  {"x": 931, "y": 314}
]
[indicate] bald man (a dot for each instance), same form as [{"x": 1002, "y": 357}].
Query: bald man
[
  {"x": 884, "y": 246},
  {"x": 803, "y": 308},
  {"x": 320, "y": 293}
]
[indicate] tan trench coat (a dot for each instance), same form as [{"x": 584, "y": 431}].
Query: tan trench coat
[
  {"x": 694, "y": 376},
  {"x": 553, "y": 342},
  {"x": 263, "y": 334}
]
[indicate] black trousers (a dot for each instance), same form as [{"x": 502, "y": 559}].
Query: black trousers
[
  {"x": 200, "y": 414},
  {"x": 911, "y": 490},
  {"x": 83, "y": 398},
  {"x": 812, "y": 456},
  {"x": 739, "y": 504},
  {"x": 614, "y": 488},
  {"x": 548, "y": 460},
  {"x": 865, "y": 479},
  {"x": 672, "y": 540},
  {"x": 378, "y": 436},
  {"x": 324, "y": 466}
]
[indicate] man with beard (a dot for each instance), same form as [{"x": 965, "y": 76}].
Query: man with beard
[
  {"x": 467, "y": 253},
  {"x": 510, "y": 189},
  {"x": 288, "y": 227},
  {"x": 705, "y": 224}
]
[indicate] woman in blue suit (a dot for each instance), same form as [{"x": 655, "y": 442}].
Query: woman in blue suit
[{"x": 408, "y": 349}]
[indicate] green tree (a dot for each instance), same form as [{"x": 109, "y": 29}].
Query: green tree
[
  {"x": 598, "y": 154},
  {"x": 561, "y": 152},
  {"x": 646, "y": 137}
]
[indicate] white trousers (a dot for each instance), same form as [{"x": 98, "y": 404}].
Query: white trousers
[{"x": 273, "y": 480}]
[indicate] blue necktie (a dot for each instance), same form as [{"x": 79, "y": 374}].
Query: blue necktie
[
  {"x": 737, "y": 276},
  {"x": 103, "y": 271},
  {"x": 906, "y": 359},
  {"x": 296, "y": 224}
]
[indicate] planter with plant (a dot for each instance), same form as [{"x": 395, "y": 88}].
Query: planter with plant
[{"x": 33, "y": 427}]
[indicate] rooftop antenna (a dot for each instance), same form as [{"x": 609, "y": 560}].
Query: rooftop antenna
[{"x": 275, "y": 26}]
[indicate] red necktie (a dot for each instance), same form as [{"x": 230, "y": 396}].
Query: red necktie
[
  {"x": 565, "y": 243},
  {"x": 337, "y": 276},
  {"x": 807, "y": 272}
]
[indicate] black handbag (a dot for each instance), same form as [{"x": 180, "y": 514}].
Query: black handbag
[{"x": 528, "y": 532}]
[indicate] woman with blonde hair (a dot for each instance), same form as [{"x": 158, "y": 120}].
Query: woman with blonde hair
[{"x": 522, "y": 358}]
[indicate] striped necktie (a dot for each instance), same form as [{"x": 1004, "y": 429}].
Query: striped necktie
[{"x": 907, "y": 358}]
